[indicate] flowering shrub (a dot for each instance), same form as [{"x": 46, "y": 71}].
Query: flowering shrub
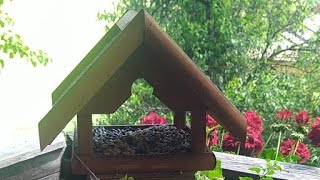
[
  {"x": 284, "y": 115},
  {"x": 210, "y": 122},
  {"x": 314, "y": 135},
  {"x": 213, "y": 141},
  {"x": 289, "y": 147},
  {"x": 295, "y": 134},
  {"x": 254, "y": 121},
  {"x": 295, "y": 129},
  {"x": 302, "y": 118},
  {"x": 254, "y": 142},
  {"x": 153, "y": 118}
]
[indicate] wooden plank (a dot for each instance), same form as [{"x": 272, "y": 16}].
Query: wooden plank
[
  {"x": 180, "y": 119},
  {"x": 235, "y": 165},
  {"x": 55, "y": 176},
  {"x": 27, "y": 149},
  {"x": 198, "y": 131},
  {"x": 85, "y": 139},
  {"x": 144, "y": 163},
  {"x": 38, "y": 165}
]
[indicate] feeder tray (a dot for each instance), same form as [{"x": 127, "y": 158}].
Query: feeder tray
[{"x": 141, "y": 163}]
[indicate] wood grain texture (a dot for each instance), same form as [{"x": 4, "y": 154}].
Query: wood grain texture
[
  {"x": 34, "y": 164},
  {"x": 179, "y": 120},
  {"x": 144, "y": 163},
  {"x": 198, "y": 130},
  {"x": 100, "y": 164},
  {"x": 235, "y": 165},
  {"x": 85, "y": 138}
]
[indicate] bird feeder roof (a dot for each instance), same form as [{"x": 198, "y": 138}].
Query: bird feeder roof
[{"x": 136, "y": 47}]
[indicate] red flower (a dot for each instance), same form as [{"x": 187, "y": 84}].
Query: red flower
[
  {"x": 153, "y": 118},
  {"x": 213, "y": 138},
  {"x": 210, "y": 122},
  {"x": 230, "y": 143},
  {"x": 316, "y": 122},
  {"x": 284, "y": 115},
  {"x": 302, "y": 118},
  {"x": 302, "y": 151},
  {"x": 314, "y": 134},
  {"x": 252, "y": 146},
  {"x": 254, "y": 142},
  {"x": 253, "y": 120}
]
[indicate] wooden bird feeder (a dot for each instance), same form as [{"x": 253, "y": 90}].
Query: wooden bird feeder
[{"x": 136, "y": 47}]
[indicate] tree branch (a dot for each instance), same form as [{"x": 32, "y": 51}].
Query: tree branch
[
  {"x": 290, "y": 66},
  {"x": 271, "y": 37},
  {"x": 295, "y": 47}
]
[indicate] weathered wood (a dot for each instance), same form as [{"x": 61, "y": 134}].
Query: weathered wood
[
  {"x": 27, "y": 149},
  {"x": 33, "y": 164},
  {"x": 144, "y": 163},
  {"x": 185, "y": 162},
  {"x": 84, "y": 124},
  {"x": 198, "y": 131},
  {"x": 179, "y": 119},
  {"x": 234, "y": 166}
]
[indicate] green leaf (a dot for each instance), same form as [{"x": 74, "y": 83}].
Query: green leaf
[
  {"x": 268, "y": 153},
  {"x": 270, "y": 172},
  {"x": 2, "y": 63},
  {"x": 245, "y": 178},
  {"x": 255, "y": 169},
  {"x": 267, "y": 178},
  {"x": 5, "y": 48},
  {"x": 1, "y": 24},
  {"x": 295, "y": 158},
  {"x": 11, "y": 55},
  {"x": 217, "y": 172}
]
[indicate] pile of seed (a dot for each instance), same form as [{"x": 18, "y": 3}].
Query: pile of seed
[{"x": 162, "y": 139}]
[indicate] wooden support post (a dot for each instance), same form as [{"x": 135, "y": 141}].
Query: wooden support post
[
  {"x": 85, "y": 138},
  {"x": 198, "y": 131},
  {"x": 180, "y": 119}
]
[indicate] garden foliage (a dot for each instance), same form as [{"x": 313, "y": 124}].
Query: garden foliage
[
  {"x": 263, "y": 55},
  {"x": 12, "y": 45}
]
